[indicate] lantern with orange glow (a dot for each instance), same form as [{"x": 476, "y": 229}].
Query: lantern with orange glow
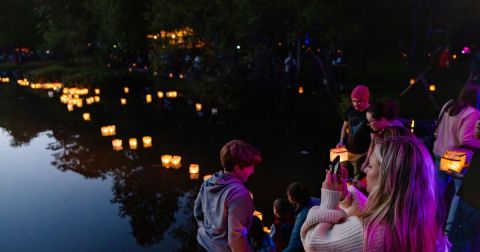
[
  {"x": 132, "y": 142},
  {"x": 97, "y": 91},
  {"x": 432, "y": 88},
  {"x": 126, "y": 90},
  {"x": 172, "y": 94},
  {"x": 341, "y": 151},
  {"x": 412, "y": 81},
  {"x": 147, "y": 141},
  {"x": 166, "y": 159},
  {"x": 176, "y": 162},
  {"x": 86, "y": 116},
  {"x": 70, "y": 107},
  {"x": 96, "y": 98},
  {"x": 300, "y": 90},
  {"x": 108, "y": 130},
  {"x": 198, "y": 107},
  {"x": 117, "y": 144},
  {"x": 123, "y": 101},
  {"x": 453, "y": 161},
  {"x": 148, "y": 98},
  {"x": 160, "y": 94}
]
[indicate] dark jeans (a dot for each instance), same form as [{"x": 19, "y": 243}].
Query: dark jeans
[{"x": 465, "y": 231}]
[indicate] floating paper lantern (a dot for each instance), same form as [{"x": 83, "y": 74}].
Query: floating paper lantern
[
  {"x": 166, "y": 159},
  {"x": 160, "y": 94},
  {"x": 70, "y": 107},
  {"x": 96, "y": 98},
  {"x": 148, "y": 98},
  {"x": 432, "y": 88},
  {"x": 109, "y": 130},
  {"x": 147, "y": 141},
  {"x": 170, "y": 75},
  {"x": 132, "y": 142},
  {"x": 126, "y": 90},
  {"x": 90, "y": 100},
  {"x": 454, "y": 56},
  {"x": 300, "y": 90},
  {"x": 86, "y": 116},
  {"x": 198, "y": 106},
  {"x": 342, "y": 152},
  {"x": 181, "y": 76},
  {"x": 97, "y": 91},
  {"x": 176, "y": 162},
  {"x": 172, "y": 94},
  {"x": 194, "y": 168},
  {"x": 453, "y": 161},
  {"x": 117, "y": 144},
  {"x": 412, "y": 81},
  {"x": 123, "y": 101}
]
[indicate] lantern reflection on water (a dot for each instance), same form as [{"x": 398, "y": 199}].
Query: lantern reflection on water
[
  {"x": 453, "y": 161},
  {"x": 342, "y": 152},
  {"x": 117, "y": 144},
  {"x": 132, "y": 142},
  {"x": 147, "y": 141},
  {"x": 86, "y": 116}
]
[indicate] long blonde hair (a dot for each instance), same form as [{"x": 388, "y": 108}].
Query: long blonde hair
[{"x": 403, "y": 206}]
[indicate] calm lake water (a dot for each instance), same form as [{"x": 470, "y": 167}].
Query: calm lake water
[{"x": 63, "y": 187}]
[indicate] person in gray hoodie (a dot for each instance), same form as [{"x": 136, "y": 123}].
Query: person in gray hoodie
[{"x": 224, "y": 207}]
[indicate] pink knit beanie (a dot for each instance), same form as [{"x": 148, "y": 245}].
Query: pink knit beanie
[{"x": 361, "y": 92}]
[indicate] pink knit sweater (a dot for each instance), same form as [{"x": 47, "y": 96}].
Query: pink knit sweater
[{"x": 335, "y": 226}]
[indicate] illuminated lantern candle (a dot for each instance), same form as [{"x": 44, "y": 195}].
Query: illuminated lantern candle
[
  {"x": 148, "y": 98},
  {"x": 133, "y": 143},
  {"x": 117, "y": 144},
  {"x": 181, "y": 76},
  {"x": 198, "y": 106},
  {"x": 160, "y": 94},
  {"x": 172, "y": 94},
  {"x": 90, "y": 100},
  {"x": 170, "y": 75},
  {"x": 86, "y": 116},
  {"x": 432, "y": 88},
  {"x": 453, "y": 161},
  {"x": 206, "y": 177},
  {"x": 126, "y": 90},
  {"x": 176, "y": 162},
  {"x": 300, "y": 90},
  {"x": 97, "y": 91},
  {"x": 454, "y": 56},
  {"x": 412, "y": 81},
  {"x": 96, "y": 98},
  {"x": 123, "y": 101},
  {"x": 166, "y": 159},
  {"x": 70, "y": 107},
  {"x": 194, "y": 168},
  {"x": 147, "y": 141},
  {"x": 342, "y": 152},
  {"x": 258, "y": 214}
]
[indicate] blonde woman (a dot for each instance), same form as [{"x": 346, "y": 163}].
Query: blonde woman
[{"x": 400, "y": 213}]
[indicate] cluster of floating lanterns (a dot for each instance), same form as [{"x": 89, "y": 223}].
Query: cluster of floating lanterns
[
  {"x": 48, "y": 85},
  {"x": 23, "y": 82},
  {"x": 109, "y": 130},
  {"x": 117, "y": 144},
  {"x": 171, "y": 161}
]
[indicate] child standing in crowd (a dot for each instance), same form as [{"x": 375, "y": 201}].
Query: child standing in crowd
[
  {"x": 398, "y": 214},
  {"x": 355, "y": 129},
  {"x": 282, "y": 226}
]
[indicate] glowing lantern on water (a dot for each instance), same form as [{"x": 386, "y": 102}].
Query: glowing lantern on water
[
  {"x": 117, "y": 144},
  {"x": 453, "y": 161},
  {"x": 90, "y": 100},
  {"x": 206, "y": 177},
  {"x": 160, "y": 94},
  {"x": 176, "y": 162},
  {"x": 172, "y": 94},
  {"x": 86, "y": 116},
  {"x": 132, "y": 142},
  {"x": 108, "y": 130},
  {"x": 342, "y": 152},
  {"x": 5, "y": 80},
  {"x": 194, "y": 168},
  {"x": 148, "y": 98},
  {"x": 454, "y": 56},
  {"x": 181, "y": 76},
  {"x": 432, "y": 88},
  {"x": 170, "y": 75},
  {"x": 126, "y": 90},
  {"x": 198, "y": 106},
  {"x": 97, "y": 91},
  {"x": 123, "y": 101},
  {"x": 412, "y": 81},
  {"x": 258, "y": 214},
  {"x": 166, "y": 160},
  {"x": 300, "y": 90},
  {"x": 96, "y": 98},
  {"x": 147, "y": 141},
  {"x": 70, "y": 107}
]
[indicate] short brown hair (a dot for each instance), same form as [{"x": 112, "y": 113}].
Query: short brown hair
[{"x": 239, "y": 152}]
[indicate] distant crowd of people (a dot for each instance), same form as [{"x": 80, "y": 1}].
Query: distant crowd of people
[{"x": 394, "y": 199}]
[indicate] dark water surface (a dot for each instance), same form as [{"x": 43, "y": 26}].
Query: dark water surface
[{"x": 63, "y": 188}]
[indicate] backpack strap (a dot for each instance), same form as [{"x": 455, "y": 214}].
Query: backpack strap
[{"x": 440, "y": 116}]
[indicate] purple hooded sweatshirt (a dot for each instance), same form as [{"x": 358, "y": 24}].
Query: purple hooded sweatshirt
[{"x": 223, "y": 210}]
